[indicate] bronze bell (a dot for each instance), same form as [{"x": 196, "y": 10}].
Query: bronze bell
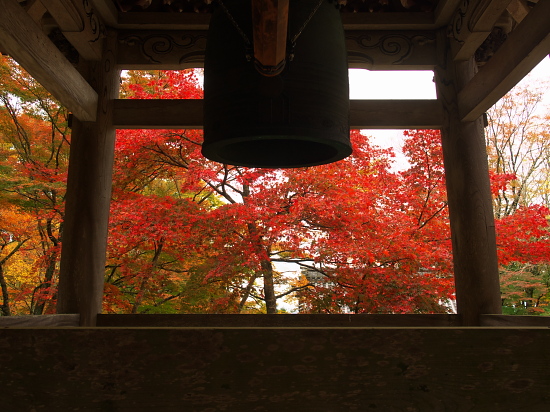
[{"x": 297, "y": 118}]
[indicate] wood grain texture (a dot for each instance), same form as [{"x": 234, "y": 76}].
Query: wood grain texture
[
  {"x": 66, "y": 14},
  {"x": 471, "y": 25},
  {"x": 351, "y": 21},
  {"x": 39, "y": 321},
  {"x": 332, "y": 370},
  {"x": 515, "y": 321},
  {"x": 469, "y": 199},
  {"x": 270, "y": 26},
  {"x": 157, "y": 49},
  {"x": 80, "y": 24},
  {"x": 396, "y": 114},
  {"x": 391, "y": 49},
  {"x": 107, "y": 10},
  {"x": 188, "y": 114},
  {"x": 372, "y": 49},
  {"x": 22, "y": 39},
  {"x": 88, "y": 198},
  {"x": 525, "y": 47},
  {"x": 279, "y": 321}
]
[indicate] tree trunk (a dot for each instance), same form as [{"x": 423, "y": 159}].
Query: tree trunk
[
  {"x": 266, "y": 269},
  {"x": 38, "y": 306},
  {"x": 269, "y": 287},
  {"x": 5, "y": 295}
]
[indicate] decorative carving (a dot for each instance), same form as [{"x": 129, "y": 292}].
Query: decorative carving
[
  {"x": 459, "y": 20},
  {"x": 388, "y": 50},
  {"x": 80, "y": 25},
  {"x": 366, "y": 49},
  {"x": 478, "y": 28},
  {"x": 97, "y": 29},
  {"x": 177, "y": 49}
]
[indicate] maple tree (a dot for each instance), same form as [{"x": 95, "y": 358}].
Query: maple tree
[
  {"x": 347, "y": 220},
  {"x": 190, "y": 235},
  {"x": 518, "y": 145},
  {"x": 34, "y": 156},
  {"x": 519, "y": 157}
]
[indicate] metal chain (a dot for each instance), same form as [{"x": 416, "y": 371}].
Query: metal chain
[
  {"x": 247, "y": 41},
  {"x": 293, "y": 40}
]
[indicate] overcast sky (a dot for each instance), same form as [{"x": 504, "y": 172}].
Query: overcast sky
[{"x": 366, "y": 84}]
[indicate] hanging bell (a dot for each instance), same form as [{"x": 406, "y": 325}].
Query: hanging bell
[{"x": 297, "y": 118}]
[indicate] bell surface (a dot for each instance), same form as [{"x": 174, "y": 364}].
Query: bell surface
[{"x": 298, "y": 118}]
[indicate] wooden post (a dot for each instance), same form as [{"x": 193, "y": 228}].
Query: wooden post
[
  {"x": 469, "y": 197},
  {"x": 88, "y": 197},
  {"x": 270, "y": 19}
]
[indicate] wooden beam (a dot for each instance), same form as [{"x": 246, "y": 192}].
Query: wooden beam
[
  {"x": 395, "y": 114},
  {"x": 526, "y": 46},
  {"x": 80, "y": 25},
  {"x": 158, "y": 114},
  {"x": 351, "y": 21},
  {"x": 66, "y": 14},
  {"x": 510, "y": 321},
  {"x": 391, "y": 49},
  {"x": 39, "y": 321},
  {"x": 472, "y": 24},
  {"x": 82, "y": 267},
  {"x": 518, "y": 9},
  {"x": 162, "y": 21},
  {"x": 161, "y": 50},
  {"x": 35, "y": 9},
  {"x": 279, "y": 321},
  {"x": 22, "y": 39},
  {"x": 388, "y": 21},
  {"x": 444, "y": 11},
  {"x": 366, "y": 114},
  {"x": 178, "y": 49},
  {"x": 275, "y": 369},
  {"x": 469, "y": 198},
  {"x": 107, "y": 10},
  {"x": 269, "y": 31}
]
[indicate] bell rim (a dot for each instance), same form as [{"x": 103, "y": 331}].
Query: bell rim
[{"x": 340, "y": 150}]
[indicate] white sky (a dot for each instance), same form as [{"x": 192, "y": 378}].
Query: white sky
[{"x": 366, "y": 84}]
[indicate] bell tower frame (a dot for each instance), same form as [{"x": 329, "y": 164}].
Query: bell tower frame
[{"x": 450, "y": 37}]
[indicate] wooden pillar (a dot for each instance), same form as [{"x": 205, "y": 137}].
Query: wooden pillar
[
  {"x": 469, "y": 196},
  {"x": 88, "y": 196}
]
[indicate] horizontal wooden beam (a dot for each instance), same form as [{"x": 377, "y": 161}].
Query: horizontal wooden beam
[
  {"x": 21, "y": 38},
  {"x": 158, "y": 114},
  {"x": 279, "y": 321},
  {"x": 179, "y": 49},
  {"x": 275, "y": 369},
  {"x": 39, "y": 321},
  {"x": 526, "y": 46},
  {"x": 351, "y": 21},
  {"x": 388, "y": 21},
  {"x": 396, "y": 114},
  {"x": 364, "y": 114},
  {"x": 515, "y": 321},
  {"x": 391, "y": 49},
  {"x": 161, "y": 50}
]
